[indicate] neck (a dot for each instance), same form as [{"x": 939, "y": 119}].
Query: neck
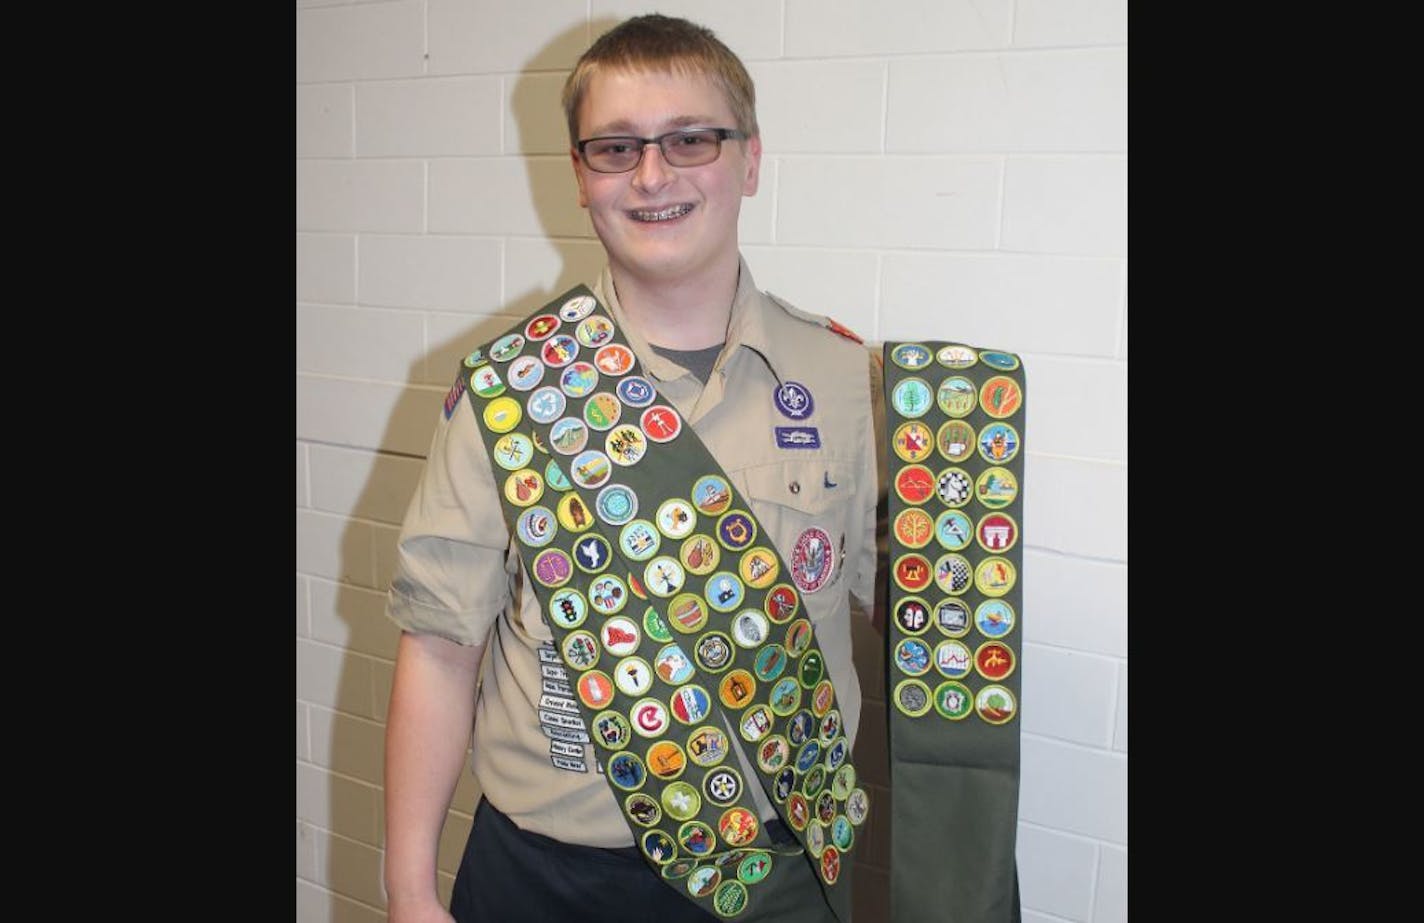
[{"x": 687, "y": 313}]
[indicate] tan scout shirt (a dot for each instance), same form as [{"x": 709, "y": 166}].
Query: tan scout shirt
[{"x": 459, "y": 576}]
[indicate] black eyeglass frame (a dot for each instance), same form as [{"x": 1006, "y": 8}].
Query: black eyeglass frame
[{"x": 723, "y": 134}]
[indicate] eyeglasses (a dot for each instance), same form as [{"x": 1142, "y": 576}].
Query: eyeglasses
[{"x": 684, "y": 148}]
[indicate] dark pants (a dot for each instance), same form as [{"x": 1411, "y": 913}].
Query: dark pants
[{"x": 509, "y": 875}]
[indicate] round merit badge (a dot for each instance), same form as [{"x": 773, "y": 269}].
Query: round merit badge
[
  {"x": 994, "y": 618},
  {"x": 794, "y": 400},
  {"x": 559, "y": 351},
  {"x": 513, "y": 451},
  {"x": 994, "y": 576},
  {"x": 911, "y": 615},
  {"x": 541, "y": 327},
  {"x": 579, "y": 379},
  {"x": 502, "y": 414},
  {"x": 996, "y": 488},
  {"x": 661, "y": 423},
  {"x": 711, "y": 494},
  {"x": 1000, "y": 397},
  {"x": 616, "y": 505},
  {"x": 485, "y": 382},
  {"x": 912, "y": 398},
  {"x": 955, "y": 440},
  {"x": 995, "y": 704},
  {"x": 956, "y": 396},
  {"x": 592, "y": 553},
  {"x": 953, "y": 530},
  {"x": 953, "y": 700},
  {"x": 614, "y": 359},
  {"x": 577, "y": 308},
  {"x": 912, "y": 697},
  {"x": 525, "y": 372},
  {"x": 506, "y": 347},
  {"x": 952, "y": 618},
  {"x": 601, "y": 411},
  {"x": 636, "y": 391},
  {"x": 994, "y": 660},
  {"x": 952, "y": 659},
  {"x": 911, "y": 356},
  {"x": 997, "y": 532},
  {"x": 955, "y": 356},
  {"x": 546, "y": 404},
  {"x": 913, "y": 442},
  {"x": 913, "y": 528},
  {"x": 594, "y": 331},
  {"x": 1004, "y": 362},
  {"x": 952, "y": 574},
  {"x": 650, "y": 717},
  {"x": 914, "y": 484},
  {"x": 998, "y": 443}
]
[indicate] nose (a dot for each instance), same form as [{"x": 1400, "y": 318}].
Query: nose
[{"x": 652, "y": 172}]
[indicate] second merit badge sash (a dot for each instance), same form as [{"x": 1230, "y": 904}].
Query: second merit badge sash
[
  {"x": 954, "y": 632},
  {"x": 676, "y": 617}
]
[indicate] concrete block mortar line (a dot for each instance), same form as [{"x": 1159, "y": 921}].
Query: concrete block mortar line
[
  {"x": 1085, "y": 748},
  {"x": 1093, "y": 881},
  {"x": 340, "y": 775},
  {"x": 1068, "y": 834}
]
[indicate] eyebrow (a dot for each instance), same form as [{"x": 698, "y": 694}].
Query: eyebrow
[{"x": 625, "y": 128}]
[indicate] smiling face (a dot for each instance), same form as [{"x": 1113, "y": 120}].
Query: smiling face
[{"x": 658, "y": 222}]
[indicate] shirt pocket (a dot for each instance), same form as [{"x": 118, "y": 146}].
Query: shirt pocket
[{"x": 806, "y": 509}]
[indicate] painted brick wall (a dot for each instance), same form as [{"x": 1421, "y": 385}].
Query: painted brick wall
[{"x": 933, "y": 168}]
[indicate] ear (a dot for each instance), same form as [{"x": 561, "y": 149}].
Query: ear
[
  {"x": 753, "y": 158},
  {"x": 578, "y": 177}
]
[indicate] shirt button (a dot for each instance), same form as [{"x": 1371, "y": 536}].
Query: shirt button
[{"x": 795, "y": 487}]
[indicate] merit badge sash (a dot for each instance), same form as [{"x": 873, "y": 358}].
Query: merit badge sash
[
  {"x": 674, "y": 613},
  {"x": 954, "y": 634}
]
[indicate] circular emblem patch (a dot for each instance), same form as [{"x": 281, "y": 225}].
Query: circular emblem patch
[
  {"x": 573, "y": 515},
  {"x": 724, "y": 591},
  {"x": 913, "y": 441},
  {"x": 798, "y": 811},
  {"x": 759, "y": 567},
  {"x": 953, "y": 700},
  {"x": 912, "y": 572},
  {"x": 912, "y": 398},
  {"x": 620, "y": 636},
  {"x": 812, "y": 669},
  {"x": 953, "y": 530},
  {"x": 546, "y": 404},
  {"x": 708, "y": 746},
  {"x": 956, "y": 396},
  {"x": 485, "y": 382},
  {"x": 536, "y": 526},
  {"x": 952, "y": 659},
  {"x": 541, "y": 327},
  {"x": 626, "y": 444},
  {"x": 914, "y": 484},
  {"x": 475, "y": 358},
  {"x": 995, "y": 704},
  {"x": 857, "y": 806},
  {"x": 639, "y": 540},
  {"x": 994, "y": 576},
  {"x": 579, "y": 379},
  {"x": 552, "y": 568},
  {"x": 595, "y": 689},
  {"x": 830, "y": 865},
  {"x": 996, "y": 488},
  {"x": 782, "y": 603},
  {"x": 664, "y": 576},
  {"x": 699, "y": 554},
  {"x": 810, "y": 752},
  {"x": 661, "y": 423},
  {"x": 798, "y": 638},
  {"x": 666, "y": 760},
  {"x": 658, "y": 846},
  {"x": 730, "y": 898},
  {"x": 910, "y": 356},
  {"x": 794, "y": 400},
  {"x": 723, "y": 786},
  {"x": 616, "y": 505},
  {"x": 636, "y": 391},
  {"x": 502, "y": 414},
  {"x": 580, "y": 650},
  {"x": 997, "y": 532},
  {"x": 822, "y": 698},
  {"x": 952, "y": 618},
  {"x": 998, "y": 443},
  {"x": 782, "y": 785},
  {"x": 687, "y": 614},
  {"x": 994, "y": 618},
  {"x": 812, "y": 560},
  {"x": 626, "y": 771},
  {"x": 643, "y": 809},
  {"x": 567, "y": 609},
  {"x": 681, "y": 801},
  {"x": 559, "y": 351},
  {"x": 612, "y": 732},
  {"x": 690, "y": 704},
  {"x": 750, "y": 627},
  {"x": 676, "y": 519},
  {"x": 738, "y": 826},
  {"x": 956, "y": 357},
  {"x": 785, "y": 696},
  {"x": 633, "y": 676},
  {"x": 672, "y": 665},
  {"x": 711, "y": 494},
  {"x": 736, "y": 530},
  {"x": 608, "y": 594},
  {"x": 601, "y": 411},
  {"x": 994, "y": 660},
  {"x": 954, "y": 487},
  {"x": 813, "y": 782},
  {"x": 577, "y": 308},
  {"x": 714, "y": 651},
  {"x": 594, "y": 331},
  {"x": 592, "y": 553},
  {"x": 771, "y": 660},
  {"x": 523, "y": 487},
  {"x": 704, "y": 880},
  {"x": 955, "y": 440},
  {"x": 697, "y": 839},
  {"x": 590, "y": 469},
  {"x": 952, "y": 574},
  {"x": 830, "y": 726},
  {"x": 506, "y": 347},
  {"x": 554, "y": 477},
  {"x": 1004, "y": 362},
  {"x": 912, "y": 697},
  {"x": 654, "y": 626},
  {"x": 568, "y": 436},
  {"x": 1000, "y": 397},
  {"x": 772, "y": 755},
  {"x": 914, "y": 528},
  {"x": 754, "y": 868},
  {"x": 737, "y": 689},
  {"x": 912, "y": 656},
  {"x": 614, "y": 359},
  {"x": 525, "y": 373}
]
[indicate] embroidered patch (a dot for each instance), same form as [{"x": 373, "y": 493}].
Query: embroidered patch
[
  {"x": 994, "y": 660},
  {"x": 696, "y": 838},
  {"x": 699, "y": 554},
  {"x": 641, "y": 806},
  {"x": 711, "y": 495},
  {"x": 654, "y": 626},
  {"x": 612, "y": 732},
  {"x": 910, "y": 356},
  {"x": 857, "y": 806},
  {"x": 626, "y": 771},
  {"x": 913, "y": 441},
  {"x": 536, "y": 526},
  {"x": 592, "y": 553},
  {"x": 955, "y": 440},
  {"x": 914, "y": 484},
  {"x": 594, "y": 331},
  {"x": 486, "y": 382},
  {"x": 736, "y": 689},
  {"x": 559, "y": 351},
  {"x": 952, "y": 659},
  {"x": 664, "y": 576},
  {"x": 736, "y": 530},
  {"x": 573, "y": 515},
  {"x": 813, "y": 559},
  {"x": 452, "y": 397},
  {"x": 954, "y": 356},
  {"x": 723, "y": 786},
  {"x": 626, "y": 444},
  {"x": 614, "y": 359},
  {"x": 713, "y": 651},
  {"x": 567, "y": 609},
  {"x": 730, "y": 898},
  {"x": 770, "y": 661},
  {"x": 620, "y": 636},
  {"x": 912, "y": 572},
  {"x": 953, "y": 530},
  {"x": 686, "y": 613},
  {"x": 798, "y": 811},
  {"x": 782, "y": 602},
  {"x": 952, "y": 618},
  {"x": 546, "y": 404},
  {"x": 912, "y": 697},
  {"x": 772, "y": 754},
  {"x": 996, "y": 488},
  {"x": 616, "y": 505},
  {"x": 666, "y": 760},
  {"x": 830, "y": 726},
  {"x": 633, "y": 676},
  {"x": 502, "y": 414},
  {"x": 798, "y": 638},
  {"x": 675, "y": 518},
  {"x": 1004, "y": 362},
  {"x": 601, "y": 411},
  {"x": 912, "y": 656},
  {"x": 661, "y": 423},
  {"x": 914, "y": 528},
  {"x": 822, "y": 698},
  {"x": 525, "y": 372},
  {"x": 672, "y": 665},
  {"x": 994, "y": 618},
  {"x": 635, "y": 391},
  {"x": 568, "y": 436},
  {"x": 830, "y": 865},
  {"x": 813, "y": 782},
  {"x": 554, "y": 477},
  {"x": 794, "y": 400},
  {"x": 577, "y": 308},
  {"x": 785, "y": 697},
  {"x": 754, "y": 868},
  {"x": 690, "y": 704},
  {"x": 995, "y": 704},
  {"x": 997, "y": 532},
  {"x": 1001, "y": 397},
  {"x": 608, "y": 594},
  {"x": 552, "y": 568},
  {"x": 704, "y": 881},
  {"x": 595, "y": 689},
  {"x": 953, "y": 700},
  {"x": 759, "y": 567},
  {"x": 998, "y": 443},
  {"x": 681, "y": 801},
  {"x": 580, "y": 650},
  {"x": 475, "y": 359},
  {"x": 523, "y": 487},
  {"x": 956, "y": 396},
  {"x": 835, "y": 756},
  {"x": 708, "y": 746},
  {"x": 812, "y": 670},
  {"x": 658, "y": 846},
  {"x": 911, "y": 398},
  {"x": 797, "y": 437},
  {"x": 755, "y": 723},
  {"x": 650, "y": 717},
  {"x": 579, "y": 379},
  {"x": 994, "y": 576},
  {"x": 506, "y": 347},
  {"x": 954, "y": 487},
  {"x": 750, "y": 627},
  {"x": 590, "y": 469}
]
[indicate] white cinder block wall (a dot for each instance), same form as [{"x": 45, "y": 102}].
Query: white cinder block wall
[{"x": 946, "y": 169}]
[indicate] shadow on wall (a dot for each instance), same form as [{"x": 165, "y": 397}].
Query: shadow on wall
[{"x": 356, "y": 871}]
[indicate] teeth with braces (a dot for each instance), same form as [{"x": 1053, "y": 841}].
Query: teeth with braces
[{"x": 676, "y": 211}]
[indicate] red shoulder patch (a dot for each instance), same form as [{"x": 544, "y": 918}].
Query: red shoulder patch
[{"x": 837, "y": 327}]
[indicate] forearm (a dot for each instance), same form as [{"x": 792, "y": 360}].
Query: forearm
[{"x": 427, "y": 732}]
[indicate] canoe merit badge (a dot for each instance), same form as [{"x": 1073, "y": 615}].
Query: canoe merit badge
[{"x": 812, "y": 560}]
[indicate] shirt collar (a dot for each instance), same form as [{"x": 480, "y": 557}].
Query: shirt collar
[{"x": 747, "y": 326}]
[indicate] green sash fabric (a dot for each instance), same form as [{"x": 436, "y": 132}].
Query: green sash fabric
[
  {"x": 673, "y": 612},
  {"x": 955, "y": 421}
]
